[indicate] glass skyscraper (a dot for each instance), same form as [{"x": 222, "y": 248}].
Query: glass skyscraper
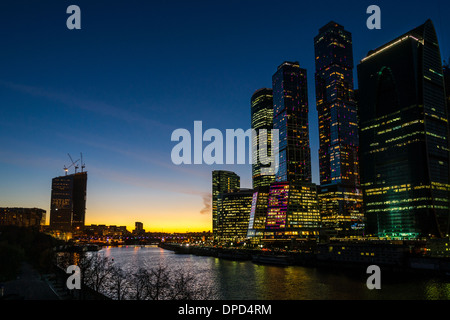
[
  {"x": 446, "y": 70},
  {"x": 340, "y": 193},
  {"x": 290, "y": 117},
  {"x": 293, "y": 211},
  {"x": 262, "y": 119},
  {"x": 404, "y": 137}
]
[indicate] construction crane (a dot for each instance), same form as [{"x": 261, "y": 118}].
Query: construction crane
[
  {"x": 74, "y": 164},
  {"x": 83, "y": 165}
]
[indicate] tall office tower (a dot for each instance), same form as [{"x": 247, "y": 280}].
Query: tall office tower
[
  {"x": 404, "y": 137},
  {"x": 233, "y": 214},
  {"x": 340, "y": 193},
  {"x": 293, "y": 212},
  {"x": 290, "y": 117},
  {"x": 68, "y": 202},
  {"x": 262, "y": 123},
  {"x": 222, "y": 181}
]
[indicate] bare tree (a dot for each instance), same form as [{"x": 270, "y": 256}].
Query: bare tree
[
  {"x": 138, "y": 282},
  {"x": 95, "y": 270},
  {"x": 158, "y": 283},
  {"x": 158, "y": 286},
  {"x": 186, "y": 286},
  {"x": 118, "y": 283}
]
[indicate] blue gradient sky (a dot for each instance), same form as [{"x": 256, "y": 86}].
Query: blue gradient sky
[{"x": 116, "y": 89}]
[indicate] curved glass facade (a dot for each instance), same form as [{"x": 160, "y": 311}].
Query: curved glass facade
[{"x": 404, "y": 137}]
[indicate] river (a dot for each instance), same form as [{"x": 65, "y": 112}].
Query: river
[{"x": 245, "y": 280}]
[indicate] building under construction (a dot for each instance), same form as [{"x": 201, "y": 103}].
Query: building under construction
[{"x": 68, "y": 201}]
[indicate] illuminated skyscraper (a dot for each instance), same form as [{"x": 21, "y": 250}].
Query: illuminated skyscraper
[
  {"x": 404, "y": 137},
  {"x": 290, "y": 117},
  {"x": 222, "y": 181},
  {"x": 293, "y": 211},
  {"x": 262, "y": 122},
  {"x": 340, "y": 193},
  {"x": 68, "y": 202}
]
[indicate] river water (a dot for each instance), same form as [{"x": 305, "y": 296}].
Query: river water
[{"x": 245, "y": 280}]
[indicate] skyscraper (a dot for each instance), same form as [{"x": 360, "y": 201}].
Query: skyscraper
[
  {"x": 262, "y": 119},
  {"x": 340, "y": 194},
  {"x": 404, "y": 137},
  {"x": 222, "y": 181},
  {"x": 446, "y": 70},
  {"x": 68, "y": 202},
  {"x": 290, "y": 117},
  {"x": 293, "y": 211}
]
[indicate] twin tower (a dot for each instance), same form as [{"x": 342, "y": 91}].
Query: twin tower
[{"x": 396, "y": 185}]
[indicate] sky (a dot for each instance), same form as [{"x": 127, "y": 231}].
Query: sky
[{"x": 116, "y": 89}]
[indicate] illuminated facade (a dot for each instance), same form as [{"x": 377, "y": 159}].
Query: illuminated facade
[
  {"x": 222, "y": 181},
  {"x": 258, "y": 214},
  {"x": 68, "y": 202},
  {"x": 262, "y": 119},
  {"x": 290, "y": 117},
  {"x": 404, "y": 137},
  {"x": 233, "y": 215},
  {"x": 340, "y": 193},
  {"x": 341, "y": 211},
  {"x": 293, "y": 212}
]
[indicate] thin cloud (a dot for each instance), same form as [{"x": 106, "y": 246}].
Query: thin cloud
[{"x": 97, "y": 107}]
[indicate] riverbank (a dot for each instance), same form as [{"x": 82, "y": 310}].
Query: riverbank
[{"x": 393, "y": 258}]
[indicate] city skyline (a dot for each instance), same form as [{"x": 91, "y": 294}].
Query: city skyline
[{"x": 118, "y": 113}]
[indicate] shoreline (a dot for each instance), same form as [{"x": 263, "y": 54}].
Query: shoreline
[{"x": 400, "y": 262}]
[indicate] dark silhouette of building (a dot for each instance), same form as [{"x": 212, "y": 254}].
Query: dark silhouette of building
[
  {"x": 22, "y": 217},
  {"x": 138, "y": 228},
  {"x": 262, "y": 123},
  {"x": 339, "y": 193},
  {"x": 446, "y": 70},
  {"x": 68, "y": 202},
  {"x": 404, "y": 136}
]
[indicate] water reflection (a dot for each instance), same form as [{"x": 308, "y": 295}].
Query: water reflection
[{"x": 243, "y": 280}]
